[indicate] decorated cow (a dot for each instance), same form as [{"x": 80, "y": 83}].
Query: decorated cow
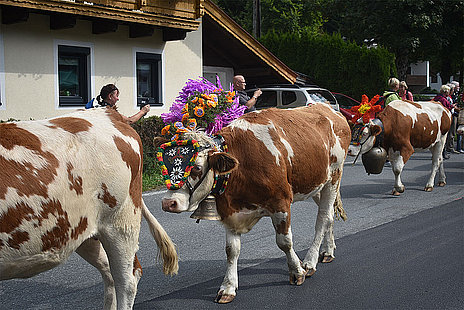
[
  {"x": 403, "y": 127},
  {"x": 258, "y": 166},
  {"x": 74, "y": 183}
]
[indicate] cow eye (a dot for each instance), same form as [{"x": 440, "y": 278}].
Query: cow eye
[{"x": 196, "y": 170}]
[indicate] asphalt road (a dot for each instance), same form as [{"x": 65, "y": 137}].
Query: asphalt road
[{"x": 402, "y": 252}]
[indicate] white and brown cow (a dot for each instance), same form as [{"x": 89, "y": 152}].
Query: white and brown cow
[
  {"x": 409, "y": 126},
  {"x": 73, "y": 183},
  {"x": 275, "y": 157}
]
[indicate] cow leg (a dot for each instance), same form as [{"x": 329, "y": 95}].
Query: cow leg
[
  {"x": 437, "y": 164},
  {"x": 229, "y": 285},
  {"x": 281, "y": 222},
  {"x": 92, "y": 251},
  {"x": 121, "y": 248},
  {"x": 398, "y": 159},
  {"x": 324, "y": 225}
]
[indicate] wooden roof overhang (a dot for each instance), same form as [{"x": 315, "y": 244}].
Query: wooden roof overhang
[
  {"x": 226, "y": 44},
  {"x": 174, "y": 17}
]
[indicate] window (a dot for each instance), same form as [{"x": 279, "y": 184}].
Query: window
[
  {"x": 148, "y": 79},
  {"x": 268, "y": 99},
  {"x": 73, "y": 75},
  {"x": 288, "y": 97}
]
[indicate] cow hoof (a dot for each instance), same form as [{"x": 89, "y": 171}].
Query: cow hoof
[
  {"x": 441, "y": 184},
  {"x": 297, "y": 279},
  {"x": 429, "y": 189},
  {"x": 395, "y": 193},
  {"x": 222, "y": 298},
  {"x": 326, "y": 258}
]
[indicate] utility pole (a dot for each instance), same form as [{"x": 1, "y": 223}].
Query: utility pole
[{"x": 257, "y": 18}]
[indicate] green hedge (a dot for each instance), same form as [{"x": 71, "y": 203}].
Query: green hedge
[
  {"x": 334, "y": 63},
  {"x": 148, "y": 128}
]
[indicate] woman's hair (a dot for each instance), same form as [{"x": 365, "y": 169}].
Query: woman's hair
[
  {"x": 392, "y": 82},
  {"x": 444, "y": 89},
  {"x": 403, "y": 83},
  {"x": 105, "y": 92}
]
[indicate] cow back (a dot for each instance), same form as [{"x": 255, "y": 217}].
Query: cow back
[
  {"x": 421, "y": 124},
  {"x": 285, "y": 152},
  {"x": 60, "y": 180}
]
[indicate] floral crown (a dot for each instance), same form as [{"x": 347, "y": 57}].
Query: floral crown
[
  {"x": 366, "y": 110},
  {"x": 201, "y": 104}
]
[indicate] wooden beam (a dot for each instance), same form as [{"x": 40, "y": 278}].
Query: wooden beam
[
  {"x": 140, "y": 30},
  {"x": 103, "y": 26},
  {"x": 12, "y": 15},
  {"x": 62, "y": 21},
  {"x": 174, "y": 34}
]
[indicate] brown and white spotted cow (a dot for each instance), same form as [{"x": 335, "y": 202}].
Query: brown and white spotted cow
[
  {"x": 66, "y": 181},
  {"x": 275, "y": 157},
  {"x": 407, "y": 127}
]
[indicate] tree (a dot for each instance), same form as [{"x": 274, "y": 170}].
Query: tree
[
  {"x": 277, "y": 15},
  {"x": 411, "y": 29}
]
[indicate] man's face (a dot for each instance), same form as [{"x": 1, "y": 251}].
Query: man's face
[{"x": 240, "y": 84}]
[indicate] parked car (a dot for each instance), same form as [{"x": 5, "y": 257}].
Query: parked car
[
  {"x": 292, "y": 96},
  {"x": 346, "y": 103}
]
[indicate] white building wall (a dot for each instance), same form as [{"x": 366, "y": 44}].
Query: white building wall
[{"x": 29, "y": 53}]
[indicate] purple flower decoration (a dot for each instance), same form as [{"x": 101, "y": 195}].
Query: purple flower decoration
[{"x": 194, "y": 88}]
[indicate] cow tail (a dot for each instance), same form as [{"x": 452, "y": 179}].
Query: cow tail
[
  {"x": 166, "y": 248},
  {"x": 338, "y": 207}
]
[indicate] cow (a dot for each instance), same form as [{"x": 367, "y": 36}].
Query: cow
[
  {"x": 405, "y": 127},
  {"x": 74, "y": 183},
  {"x": 274, "y": 157}
]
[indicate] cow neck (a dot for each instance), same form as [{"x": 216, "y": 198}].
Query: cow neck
[{"x": 378, "y": 139}]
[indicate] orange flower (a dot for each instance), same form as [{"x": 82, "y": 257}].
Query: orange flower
[
  {"x": 211, "y": 103},
  {"x": 199, "y": 111},
  {"x": 185, "y": 117},
  {"x": 191, "y": 123},
  {"x": 165, "y": 130},
  {"x": 194, "y": 100},
  {"x": 185, "y": 109},
  {"x": 201, "y": 101}
]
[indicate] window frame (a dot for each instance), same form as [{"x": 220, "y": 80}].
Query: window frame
[
  {"x": 61, "y": 102},
  {"x": 153, "y": 58},
  {"x": 2, "y": 75}
]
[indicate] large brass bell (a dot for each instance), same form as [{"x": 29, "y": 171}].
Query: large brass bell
[
  {"x": 206, "y": 210},
  {"x": 374, "y": 160}
]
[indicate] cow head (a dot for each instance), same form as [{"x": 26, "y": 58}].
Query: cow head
[
  {"x": 199, "y": 182},
  {"x": 364, "y": 138}
]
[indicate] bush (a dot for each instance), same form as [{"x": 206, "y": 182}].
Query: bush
[
  {"x": 334, "y": 63},
  {"x": 148, "y": 129}
]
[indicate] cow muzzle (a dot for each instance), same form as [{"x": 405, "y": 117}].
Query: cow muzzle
[{"x": 170, "y": 205}]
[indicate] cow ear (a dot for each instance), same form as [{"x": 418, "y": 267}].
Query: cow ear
[
  {"x": 375, "y": 130},
  {"x": 221, "y": 162},
  {"x": 158, "y": 141}
]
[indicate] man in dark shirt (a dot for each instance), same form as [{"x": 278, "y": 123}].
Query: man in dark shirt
[{"x": 239, "y": 87}]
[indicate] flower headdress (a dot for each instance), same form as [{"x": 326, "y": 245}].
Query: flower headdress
[
  {"x": 201, "y": 104},
  {"x": 366, "y": 110}
]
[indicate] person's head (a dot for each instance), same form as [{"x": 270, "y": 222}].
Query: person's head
[
  {"x": 403, "y": 87},
  {"x": 451, "y": 86},
  {"x": 456, "y": 83},
  {"x": 444, "y": 90},
  {"x": 393, "y": 83},
  {"x": 109, "y": 94},
  {"x": 239, "y": 82}
]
